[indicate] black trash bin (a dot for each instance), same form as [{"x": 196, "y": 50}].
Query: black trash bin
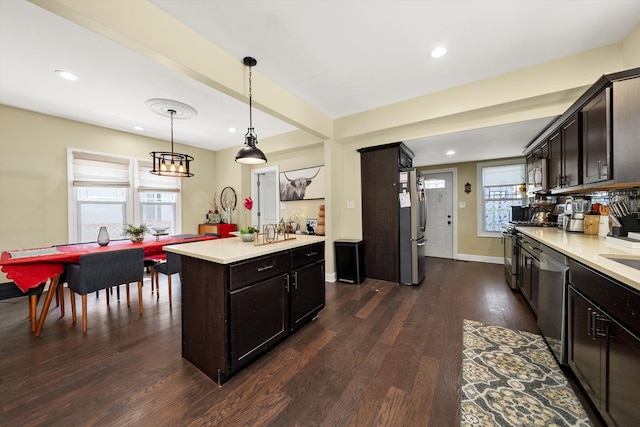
[{"x": 349, "y": 260}]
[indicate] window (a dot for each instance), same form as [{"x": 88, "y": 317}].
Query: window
[
  {"x": 101, "y": 194},
  {"x": 500, "y": 189}
]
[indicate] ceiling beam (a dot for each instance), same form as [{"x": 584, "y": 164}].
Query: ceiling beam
[{"x": 144, "y": 28}]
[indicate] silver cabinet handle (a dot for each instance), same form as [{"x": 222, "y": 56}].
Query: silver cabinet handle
[
  {"x": 312, "y": 254},
  {"x": 266, "y": 267},
  {"x": 295, "y": 280}
]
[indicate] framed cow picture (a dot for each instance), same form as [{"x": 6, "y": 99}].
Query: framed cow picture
[{"x": 302, "y": 184}]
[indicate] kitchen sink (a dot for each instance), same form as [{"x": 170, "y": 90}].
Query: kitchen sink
[{"x": 630, "y": 262}]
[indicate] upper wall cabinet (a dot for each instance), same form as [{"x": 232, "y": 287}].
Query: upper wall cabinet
[
  {"x": 626, "y": 130},
  {"x": 596, "y": 138},
  {"x": 595, "y": 144}
]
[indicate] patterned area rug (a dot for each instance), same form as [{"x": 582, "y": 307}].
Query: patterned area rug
[{"x": 510, "y": 378}]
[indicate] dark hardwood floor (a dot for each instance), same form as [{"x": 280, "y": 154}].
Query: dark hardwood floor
[{"x": 378, "y": 354}]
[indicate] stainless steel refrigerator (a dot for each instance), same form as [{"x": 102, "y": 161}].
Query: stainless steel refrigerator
[{"x": 413, "y": 222}]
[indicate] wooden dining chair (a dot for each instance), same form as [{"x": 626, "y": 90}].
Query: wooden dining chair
[
  {"x": 171, "y": 267},
  {"x": 103, "y": 270},
  {"x": 10, "y": 290}
]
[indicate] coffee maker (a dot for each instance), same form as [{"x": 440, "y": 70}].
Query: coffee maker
[{"x": 579, "y": 207}]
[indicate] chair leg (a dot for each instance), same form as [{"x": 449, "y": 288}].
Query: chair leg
[
  {"x": 33, "y": 301},
  {"x": 61, "y": 298},
  {"x": 169, "y": 282},
  {"x": 152, "y": 273},
  {"x": 106, "y": 291},
  {"x": 128, "y": 298},
  {"x": 118, "y": 292},
  {"x": 72, "y": 297},
  {"x": 139, "y": 296},
  {"x": 84, "y": 313}
]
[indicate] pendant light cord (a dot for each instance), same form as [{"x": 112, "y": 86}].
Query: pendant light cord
[
  {"x": 250, "y": 104},
  {"x": 172, "y": 112}
]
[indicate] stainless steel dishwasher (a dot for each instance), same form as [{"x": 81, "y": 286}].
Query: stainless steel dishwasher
[{"x": 552, "y": 301}]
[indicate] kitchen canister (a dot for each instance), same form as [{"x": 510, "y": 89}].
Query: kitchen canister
[{"x": 591, "y": 224}]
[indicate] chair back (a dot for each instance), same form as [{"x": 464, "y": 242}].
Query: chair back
[
  {"x": 104, "y": 269},
  {"x": 172, "y": 266},
  {"x": 10, "y": 290}
]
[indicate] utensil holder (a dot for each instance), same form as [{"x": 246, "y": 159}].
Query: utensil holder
[{"x": 591, "y": 224}]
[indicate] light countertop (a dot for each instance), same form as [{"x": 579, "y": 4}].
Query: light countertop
[
  {"x": 589, "y": 250},
  {"x": 232, "y": 249}
]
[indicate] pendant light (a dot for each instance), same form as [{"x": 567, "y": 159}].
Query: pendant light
[
  {"x": 171, "y": 163},
  {"x": 250, "y": 154}
]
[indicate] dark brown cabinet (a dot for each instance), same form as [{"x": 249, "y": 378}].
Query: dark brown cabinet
[
  {"x": 594, "y": 144},
  {"x": 379, "y": 171},
  {"x": 571, "y": 153},
  {"x": 565, "y": 168},
  {"x": 233, "y": 313},
  {"x": 626, "y": 130},
  {"x": 259, "y": 317},
  {"x": 529, "y": 270},
  {"x": 603, "y": 347},
  {"x": 596, "y": 138}
]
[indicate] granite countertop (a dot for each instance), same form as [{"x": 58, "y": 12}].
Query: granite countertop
[
  {"x": 226, "y": 251},
  {"x": 589, "y": 250}
]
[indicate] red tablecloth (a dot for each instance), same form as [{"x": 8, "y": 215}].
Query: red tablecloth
[{"x": 29, "y": 272}]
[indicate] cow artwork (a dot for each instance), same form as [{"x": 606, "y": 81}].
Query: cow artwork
[{"x": 294, "y": 184}]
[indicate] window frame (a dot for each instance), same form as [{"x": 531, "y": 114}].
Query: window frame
[{"x": 481, "y": 212}]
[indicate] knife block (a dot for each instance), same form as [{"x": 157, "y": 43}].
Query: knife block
[{"x": 630, "y": 222}]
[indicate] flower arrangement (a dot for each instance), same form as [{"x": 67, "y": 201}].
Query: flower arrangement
[
  {"x": 135, "y": 233},
  {"x": 248, "y": 205}
]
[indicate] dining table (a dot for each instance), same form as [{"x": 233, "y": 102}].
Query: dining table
[{"x": 28, "y": 268}]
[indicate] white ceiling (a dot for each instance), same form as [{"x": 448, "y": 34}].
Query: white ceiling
[{"x": 340, "y": 56}]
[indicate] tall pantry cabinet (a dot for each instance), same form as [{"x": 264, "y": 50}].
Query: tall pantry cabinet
[{"x": 379, "y": 172}]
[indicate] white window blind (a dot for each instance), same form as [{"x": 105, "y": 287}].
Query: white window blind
[
  {"x": 148, "y": 182},
  {"x": 99, "y": 170},
  {"x": 502, "y": 175}
]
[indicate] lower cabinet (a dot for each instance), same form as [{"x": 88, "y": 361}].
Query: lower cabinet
[
  {"x": 529, "y": 271},
  {"x": 602, "y": 352},
  {"x": 259, "y": 317},
  {"x": 233, "y": 313}
]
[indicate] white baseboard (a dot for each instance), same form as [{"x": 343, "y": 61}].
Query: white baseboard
[
  {"x": 330, "y": 277},
  {"x": 481, "y": 258}
]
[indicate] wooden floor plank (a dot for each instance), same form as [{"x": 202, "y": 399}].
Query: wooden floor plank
[{"x": 378, "y": 354}]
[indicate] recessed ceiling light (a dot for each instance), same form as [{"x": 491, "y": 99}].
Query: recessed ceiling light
[
  {"x": 138, "y": 128},
  {"x": 67, "y": 75},
  {"x": 450, "y": 153},
  {"x": 438, "y": 52},
  {"x": 232, "y": 130}
]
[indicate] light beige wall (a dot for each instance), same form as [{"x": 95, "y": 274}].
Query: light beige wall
[
  {"x": 33, "y": 174},
  {"x": 631, "y": 49}
]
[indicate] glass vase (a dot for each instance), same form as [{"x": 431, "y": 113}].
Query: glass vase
[{"x": 103, "y": 236}]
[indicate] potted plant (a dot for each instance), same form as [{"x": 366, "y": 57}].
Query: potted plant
[{"x": 135, "y": 233}]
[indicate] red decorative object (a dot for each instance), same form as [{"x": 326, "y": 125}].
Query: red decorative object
[{"x": 248, "y": 203}]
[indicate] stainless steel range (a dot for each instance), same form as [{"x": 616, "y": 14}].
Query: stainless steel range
[{"x": 510, "y": 255}]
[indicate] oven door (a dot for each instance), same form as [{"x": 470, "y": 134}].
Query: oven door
[{"x": 509, "y": 246}]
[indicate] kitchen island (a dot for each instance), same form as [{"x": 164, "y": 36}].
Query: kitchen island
[{"x": 239, "y": 299}]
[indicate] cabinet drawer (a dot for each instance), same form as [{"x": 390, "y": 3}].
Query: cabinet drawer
[
  {"x": 307, "y": 255},
  {"x": 615, "y": 298},
  {"x": 257, "y": 269}
]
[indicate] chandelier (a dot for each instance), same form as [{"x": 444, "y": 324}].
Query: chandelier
[{"x": 171, "y": 163}]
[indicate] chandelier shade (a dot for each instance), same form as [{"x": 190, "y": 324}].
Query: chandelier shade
[
  {"x": 170, "y": 163},
  {"x": 250, "y": 154}
]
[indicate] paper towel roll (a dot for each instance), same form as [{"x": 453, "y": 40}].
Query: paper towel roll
[{"x": 603, "y": 226}]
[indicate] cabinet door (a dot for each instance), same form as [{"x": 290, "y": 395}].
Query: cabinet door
[
  {"x": 307, "y": 293},
  {"x": 596, "y": 138},
  {"x": 572, "y": 167},
  {"x": 259, "y": 317},
  {"x": 584, "y": 346},
  {"x": 626, "y": 129},
  {"x": 555, "y": 160},
  {"x": 622, "y": 404}
]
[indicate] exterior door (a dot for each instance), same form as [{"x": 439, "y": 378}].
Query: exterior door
[
  {"x": 439, "y": 232},
  {"x": 265, "y": 192}
]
